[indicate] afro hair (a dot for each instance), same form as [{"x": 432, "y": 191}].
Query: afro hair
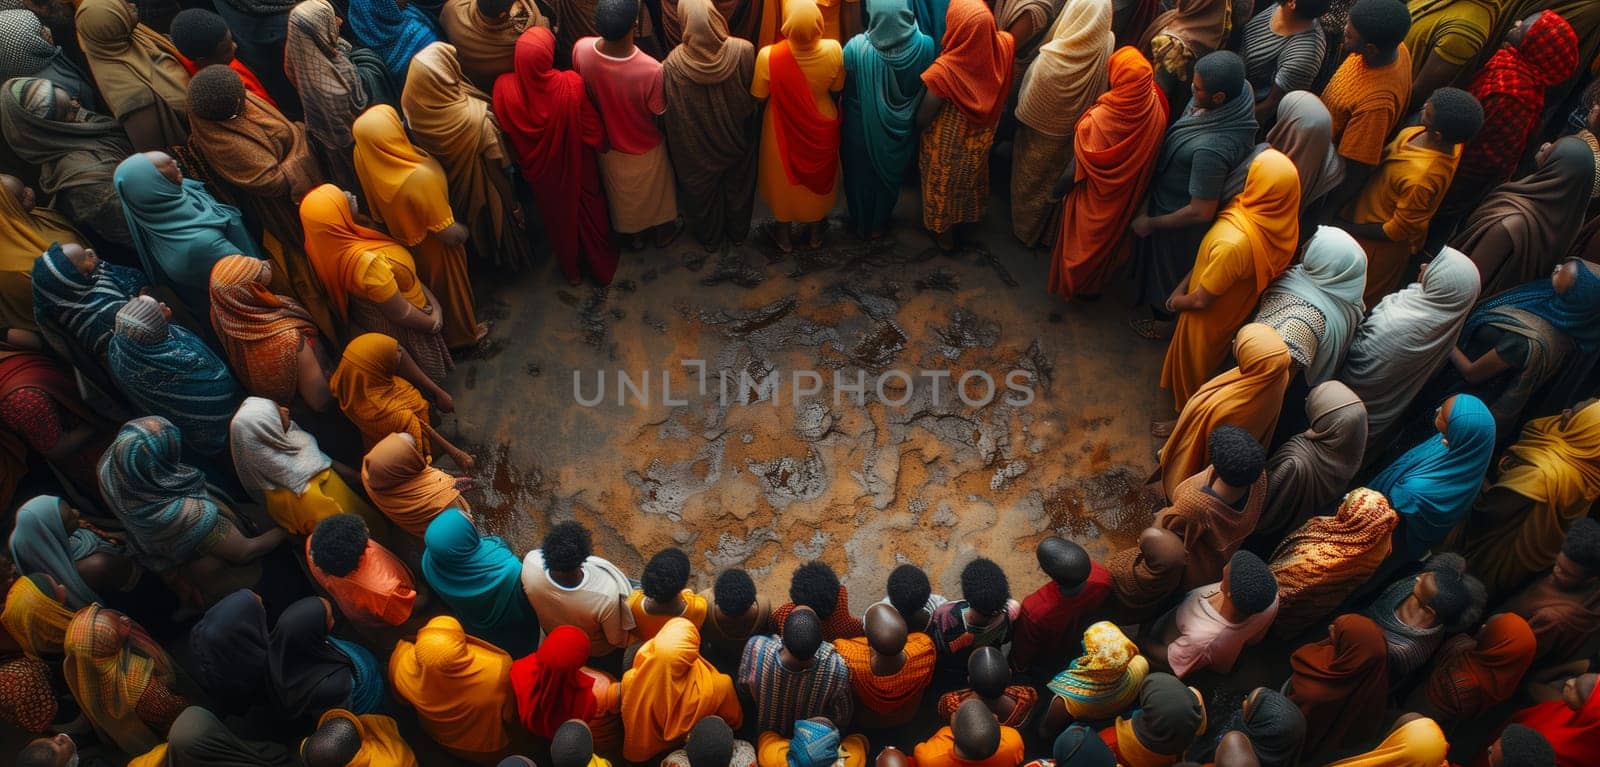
[
  {"x": 1453, "y": 599},
  {"x": 665, "y": 575},
  {"x": 613, "y": 19},
  {"x": 710, "y": 743},
  {"x": 572, "y": 745},
  {"x": 1523, "y": 746},
  {"x": 802, "y": 634},
  {"x": 337, "y": 544},
  {"x": 1221, "y": 72},
  {"x": 566, "y": 546},
  {"x": 1237, "y": 455},
  {"x": 909, "y": 590},
  {"x": 734, "y": 592},
  {"x": 1457, "y": 115},
  {"x": 215, "y": 93},
  {"x": 815, "y": 586},
  {"x": 1251, "y": 585},
  {"x": 984, "y": 586},
  {"x": 1582, "y": 545},
  {"x": 196, "y": 33},
  {"x": 1381, "y": 23},
  {"x": 334, "y": 743}
]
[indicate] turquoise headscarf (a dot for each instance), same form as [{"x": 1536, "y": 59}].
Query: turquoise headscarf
[
  {"x": 162, "y": 501},
  {"x": 180, "y": 230},
  {"x": 886, "y": 63},
  {"x": 930, "y": 16},
  {"x": 1434, "y": 484},
  {"x": 815, "y": 744},
  {"x": 170, "y": 372},
  {"x": 40, "y": 544},
  {"x": 481, "y": 580},
  {"x": 1331, "y": 276}
]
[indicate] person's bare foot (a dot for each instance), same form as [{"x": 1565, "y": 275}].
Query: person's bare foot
[
  {"x": 818, "y": 229},
  {"x": 1162, "y": 429},
  {"x": 483, "y": 332},
  {"x": 779, "y": 231}
]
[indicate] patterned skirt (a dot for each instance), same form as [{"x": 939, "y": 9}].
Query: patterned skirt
[
  {"x": 954, "y": 158},
  {"x": 428, "y": 349},
  {"x": 26, "y": 700}
]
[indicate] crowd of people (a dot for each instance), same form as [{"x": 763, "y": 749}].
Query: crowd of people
[{"x": 235, "y": 246}]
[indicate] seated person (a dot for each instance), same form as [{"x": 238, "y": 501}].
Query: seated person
[
  {"x": 889, "y": 668},
  {"x": 1053, "y": 616},
  {"x": 1417, "y": 612},
  {"x": 712, "y": 744},
  {"x": 199, "y": 737},
  {"x": 343, "y": 739},
  {"x": 1099, "y": 684},
  {"x": 816, "y": 743},
  {"x": 552, "y": 685},
  {"x": 815, "y": 585},
  {"x": 569, "y": 586},
  {"x": 663, "y": 595},
  {"x": 1563, "y": 607},
  {"x": 795, "y": 676},
  {"x": 571, "y": 746},
  {"x": 669, "y": 688},
  {"x": 1168, "y": 719},
  {"x": 1216, "y": 622},
  {"x": 989, "y": 675},
  {"x": 1215, "y": 510},
  {"x": 371, "y": 586},
  {"x": 736, "y": 613},
  {"x": 1415, "y": 739},
  {"x": 1144, "y": 577},
  {"x": 974, "y": 738},
  {"x": 1521, "y": 746},
  {"x": 912, "y": 595},
  {"x": 981, "y": 618}
]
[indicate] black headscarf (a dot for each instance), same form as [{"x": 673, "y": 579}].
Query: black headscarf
[
  {"x": 1275, "y": 726},
  {"x": 199, "y": 739},
  {"x": 230, "y": 648},
  {"x": 1168, "y": 716},
  {"x": 1079, "y": 746},
  {"x": 308, "y": 674}
]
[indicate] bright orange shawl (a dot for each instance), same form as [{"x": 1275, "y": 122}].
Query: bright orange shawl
[
  {"x": 1268, "y": 212},
  {"x": 460, "y": 686},
  {"x": 381, "y": 744},
  {"x": 404, "y": 487},
  {"x": 261, "y": 332},
  {"x": 1116, "y": 144},
  {"x": 807, "y": 141},
  {"x": 893, "y": 693},
  {"x": 339, "y": 248},
  {"x": 1473, "y": 675},
  {"x": 372, "y": 394},
  {"x": 406, "y": 188},
  {"x": 1248, "y": 396},
  {"x": 973, "y": 71},
  {"x": 669, "y": 689},
  {"x": 35, "y": 619}
]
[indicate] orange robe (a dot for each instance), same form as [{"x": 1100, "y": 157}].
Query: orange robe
[
  {"x": 888, "y": 701},
  {"x": 460, "y": 686},
  {"x": 822, "y": 63},
  {"x": 669, "y": 689},
  {"x": 940, "y": 751},
  {"x": 1249, "y": 396}
]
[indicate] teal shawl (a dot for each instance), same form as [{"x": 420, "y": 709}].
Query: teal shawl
[
  {"x": 885, "y": 65},
  {"x": 168, "y": 371},
  {"x": 162, "y": 501},
  {"x": 180, "y": 230},
  {"x": 481, "y": 580}
]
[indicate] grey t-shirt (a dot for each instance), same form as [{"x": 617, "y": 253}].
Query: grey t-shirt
[{"x": 1289, "y": 62}]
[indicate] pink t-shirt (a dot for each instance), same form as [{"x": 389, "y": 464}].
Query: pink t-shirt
[
  {"x": 1206, "y": 639},
  {"x": 627, "y": 92}
]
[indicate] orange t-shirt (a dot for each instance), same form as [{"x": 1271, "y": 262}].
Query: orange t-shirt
[
  {"x": 647, "y": 625},
  {"x": 1365, "y": 103},
  {"x": 940, "y": 751},
  {"x": 380, "y": 592}
]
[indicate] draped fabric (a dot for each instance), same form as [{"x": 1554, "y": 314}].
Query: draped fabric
[
  {"x": 199, "y": 738},
  {"x": 1417, "y": 743},
  {"x": 480, "y": 579},
  {"x": 1341, "y": 683},
  {"x": 268, "y": 456},
  {"x": 1304, "y": 132},
  {"x": 1573, "y": 312},
  {"x": 170, "y": 372},
  {"x": 708, "y": 54},
  {"x": 883, "y": 88},
  {"x": 669, "y": 689},
  {"x": 49, "y": 403},
  {"x": 259, "y": 151},
  {"x": 486, "y": 46},
  {"x": 307, "y": 673},
  {"x": 76, "y": 153},
  {"x": 1203, "y": 23},
  {"x": 1331, "y": 276},
  {"x": 1142, "y": 580},
  {"x": 261, "y": 332},
  {"x": 1523, "y": 228},
  {"x": 807, "y": 139},
  {"x": 1274, "y": 725},
  {"x": 341, "y": 251},
  {"x": 1071, "y": 70},
  {"x": 318, "y": 62},
  {"x": 1471, "y": 675},
  {"x": 394, "y": 33},
  {"x": 402, "y": 484},
  {"x": 1308, "y": 472},
  {"x": 973, "y": 69},
  {"x": 134, "y": 66},
  {"x": 813, "y": 125},
  {"x": 372, "y": 394},
  {"x": 550, "y": 685},
  {"x": 1249, "y": 396},
  {"x": 41, "y": 543},
  {"x": 78, "y": 311},
  {"x": 1327, "y": 558},
  {"x": 1104, "y": 681},
  {"x": 230, "y": 648},
  {"x": 24, "y": 53},
  {"x": 1573, "y": 735},
  {"x": 381, "y": 743},
  {"x": 1211, "y": 528},
  {"x": 163, "y": 503},
  {"x": 34, "y": 619},
  {"x": 24, "y": 236},
  {"x": 110, "y": 662},
  {"x": 555, "y": 131},
  {"x": 1406, "y": 339},
  {"x": 459, "y": 685},
  {"x": 1169, "y": 716},
  {"x": 1434, "y": 484}
]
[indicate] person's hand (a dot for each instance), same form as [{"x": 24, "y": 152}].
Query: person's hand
[
  {"x": 466, "y": 462},
  {"x": 355, "y": 203},
  {"x": 438, "y": 324},
  {"x": 516, "y": 215},
  {"x": 1141, "y": 226},
  {"x": 464, "y": 484},
  {"x": 445, "y": 402}
]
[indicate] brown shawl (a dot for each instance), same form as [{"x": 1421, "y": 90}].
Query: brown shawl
[
  {"x": 485, "y": 45},
  {"x": 1319, "y": 564},
  {"x": 1211, "y": 529},
  {"x": 133, "y": 65},
  {"x": 1308, "y": 472},
  {"x": 403, "y": 485},
  {"x": 318, "y": 62},
  {"x": 1341, "y": 683},
  {"x": 743, "y": 19},
  {"x": 1562, "y": 621},
  {"x": 1144, "y": 576},
  {"x": 260, "y": 151},
  {"x": 1540, "y": 214},
  {"x": 1204, "y": 24}
]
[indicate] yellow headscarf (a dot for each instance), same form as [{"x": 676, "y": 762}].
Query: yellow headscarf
[
  {"x": 1417, "y": 743},
  {"x": 381, "y": 744},
  {"x": 669, "y": 689},
  {"x": 108, "y": 670},
  {"x": 372, "y": 394},
  {"x": 802, "y": 24},
  {"x": 35, "y": 619},
  {"x": 1268, "y": 212},
  {"x": 404, "y": 185},
  {"x": 460, "y": 686}
]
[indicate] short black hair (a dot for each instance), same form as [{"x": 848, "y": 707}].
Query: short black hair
[
  {"x": 988, "y": 672},
  {"x": 1453, "y": 599},
  {"x": 665, "y": 575},
  {"x": 1582, "y": 545},
  {"x": 572, "y": 745},
  {"x": 337, "y": 544},
  {"x": 984, "y": 586},
  {"x": 1457, "y": 115},
  {"x": 39, "y": 755},
  {"x": 215, "y": 93},
  {"x": 710, "y": 743},
  {"x": 1523, "y": 746},
  {"x": 333, "y": 744},
  {"x": 1381, "y": 23},
  {"x": 196, "y": 32},
  {"x": 1222, "y": 72},
  {"x": 815, "y": 586},
  {"x": 493, "y": 8},
  {"x": 1310, "y": 9},
  {"x": 976, "y": 730},
  {"x": 734, "y": 592},
  {"x": 802, "y": 634},
  {"x": 614, "y": 19},
  {"x": 1236, "y": 454},
  {"x": 1251, "y": 584},
  {"x": 1064, "y": 561},
  {"x": 909, "y": 590},
  {"x": 566, "y": 546}
]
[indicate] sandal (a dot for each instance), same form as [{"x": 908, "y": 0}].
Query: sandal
[{"x": 1155, "y": 330}]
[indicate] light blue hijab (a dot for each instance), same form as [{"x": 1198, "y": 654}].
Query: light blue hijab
[
  {"x": 1330, "y": 276},
  {"x": 886, "y": 63},
  {"x": 40, "y": 544},
  {"x": 815, "y": 744},
  {"x": 1435, "y": 483}
]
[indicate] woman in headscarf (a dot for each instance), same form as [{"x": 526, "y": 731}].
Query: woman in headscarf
[
  {"x": 284, "y": 469},
  {"x": 75, "y": 150},
  {"x": 883, "y": 85},
  {"x": 26, "y": 232},
  {"x": 1251, "y": 243},
  {"x": 450, "y": 119},
  {"x": 230, "y": 650},
  {"x": 1077, "y": 746},
  {"x": 485, "y": 37},
  {"x": 742, "y": 20},
  {"x": 1515, "y": 342},
  {"x": 1070, "y": 73},
  {"x": 1184, "y": 34},
  {"x": 480, "y": 580},
  {"x": 36, "y": 616},
  {"x": 1249, "y": 396},
  {"x": 393, "y": 31},
  {"x": 1275, "y": 727},
  {"x": 50, "y": 537},
  {"x": 669, "y": 689},
  {"x": 460, "y": 686},
  {"x": 1518, "y": 233},
  {"x": 168, "y": 371},
  {"x": 967, "y": 89},
  {"x": 1547, "y": 481},
  {"x": 1304, "y": 132},
  {"x": 377, "y": 737},
  {"x": 799, "y": 166},
  {"x": 1435, "y": 483},
  {"x": 1169, "y": 717},
  {"x": 1570, "y": 724},
  {"x": 264, "y": 160},
  {"x": 1416, "y": 742},
  {"x": 1473, "y": 674},
  {"x": 317, "y": 61},
  {"x": 553, "y": 686},
  {"x": 1404, "y": 341},
  {"x": 1326, "y": 559},
  {"x": 816, "y": 743},
  {"x": 1145, "y": 576},
  {"x": 379, "y": 388},
  {"x": 711, "y": 125},
  {"x": 311, "y": 671},
  {"x": 406, "y": 488},
  {"x": 123, "y": 680},
  {"x": 1316, "y": 304},
  {"x": 372, "y": 280},
  {"x": 408, "y": 194},
  {"x": 138, "y": 72},
  {"x": 198, "y": 737},
  {"x": 180, "y": 230},
  {"x": 1115, "y": 146},
  {"x": 1307, "y": 473},
  {"x": 1099, "y": 684},
  {"x": 76, "y": 297},
  {"x": 1341, "y": 684},
  {"x": 555, "y": 130},
  {"x": 269, "y": 339},
  {"x": 25, "y": 52}
]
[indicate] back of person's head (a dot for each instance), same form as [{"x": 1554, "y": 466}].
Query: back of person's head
[
  {"x": 197, "y": 32},
  {"x": 886, "y": 630},
  {"x": 1457, "y": 115},
  {"x": 1251, "y": 585},
  {"x": 1382, "y": 24},
  {"x": 1453, "y": 599},
  {"x": 1523, "y": 746},
  {"x": 710, "y": 743},
  {"x": 909, "y": 590},
  {"x": 334, "y": 744},
  {"x": 802, "y": 634},
  {"x": 984, "y": 586},
  {"x": 494, "y": 9},
  {"x": 48, "y": 752},
  {"x": 815, "y": 586},
  {"x": 337, "y": 544},
  {"x": 1237, "y": 455},
  {"x": 216, "y": 93},
  {"x": 1582, "y": 546},
  {"x": 614, "y": 19},
  {"x": 1064, "y": 561},
  {"x": 1310, "y": 9},
  {"x": 665, "y": 575},
  {"x": 1221, "y": 72},
  {"x": 565, "y": 547},
  {"x": 976, "y": 730},
  {"x": 572, "y": 745},
  {"x": 734, "y": 592},
  {"x": 1236, "y": 750},
  {"x": 988, "y": 672}
]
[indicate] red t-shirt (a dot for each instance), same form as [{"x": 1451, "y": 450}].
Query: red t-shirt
[
  {"x": 627, "y": 92},
  {"x": 1050, "y": 627}
]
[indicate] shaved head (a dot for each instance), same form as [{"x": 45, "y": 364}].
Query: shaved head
[
  {"x": 976, "y": 731},
  {"x": 988, "y": 672},
  {"x": 886, "y": 629},
  {"x": 892, "y": 757},
  {"x": 1064, "y": 561},
  {"x": 1235, "y": 751}
]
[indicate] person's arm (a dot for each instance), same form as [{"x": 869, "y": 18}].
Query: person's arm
[
  {"x": 1481, "y": 369},
  {"x": 236, "y": 549},
  {"x": 143, "y": 126},
  {"x": 23, "y": 339},
  {"x": 405, "y": 314},
  {"x": 312, "y": 381},
  {"x": 1023, "y": 29},
  {"x": 413, "y": 374},
  {"x": 1545, "y": 684},
  {"x": 929, "y": 109},
  {"x": 1197, "y": 212},
  {"x": 466, "y": 462},
  {"x": 452, "y": 235},
  {"x": 1435, "y": 73},
  {"x": 1183, "y": 301}
]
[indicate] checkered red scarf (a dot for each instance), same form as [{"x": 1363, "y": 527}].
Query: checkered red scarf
[{"x": 1547, "y": 55}]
